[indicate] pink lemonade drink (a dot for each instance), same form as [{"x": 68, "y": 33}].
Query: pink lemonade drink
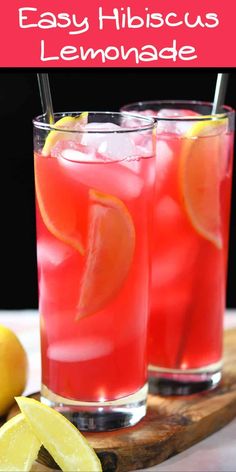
[
  {"x": 94, "y": 181},
  {"x": 189, "y": 263}
]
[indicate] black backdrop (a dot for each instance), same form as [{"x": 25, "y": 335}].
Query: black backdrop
[{"x": 74, "y": 89}]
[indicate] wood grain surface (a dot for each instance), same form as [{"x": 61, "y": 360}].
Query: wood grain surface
[{"x": 171, "y": 425}]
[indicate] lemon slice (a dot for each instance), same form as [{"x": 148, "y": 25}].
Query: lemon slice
[
  {"x": 199, "y": 172},
  {"x": 19, "y": 446},
  {"x": 111, "y": 244},
  {"x": 68, "y": 447},
  {"x": 58, "y": 211},
  {"x": 68, "y": 123}
]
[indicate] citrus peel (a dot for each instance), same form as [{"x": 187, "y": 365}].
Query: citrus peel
[
  {"x": 66, "y": 123},
  {"x": 110, "y": 250},
  {"x": 57, "y": 211},
  {"x": 199, "y": 177}
]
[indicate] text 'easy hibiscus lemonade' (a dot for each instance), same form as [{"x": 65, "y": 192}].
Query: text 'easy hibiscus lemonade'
[
  {"x": 194, "y": 155},
  {"x": 94, "y": 182}
]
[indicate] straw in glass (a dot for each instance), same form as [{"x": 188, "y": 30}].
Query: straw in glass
[
  {"x": 220, "y": 92},
  {"x": 46, "y": 98}
]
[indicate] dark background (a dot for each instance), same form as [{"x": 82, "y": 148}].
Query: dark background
[{"x": 74, "y": 89}]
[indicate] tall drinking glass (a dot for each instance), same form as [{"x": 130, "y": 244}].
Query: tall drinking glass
[
  {"x": 189, "y": 262},
  {"x": 94, "y": 180}
]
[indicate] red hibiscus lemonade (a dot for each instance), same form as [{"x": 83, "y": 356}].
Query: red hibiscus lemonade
[
  {"x": 189, "y": 263},
  {"x": 93, "y": 193}
]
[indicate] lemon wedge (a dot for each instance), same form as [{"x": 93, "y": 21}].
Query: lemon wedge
[
  {"x": 199, "y": 177},
  {"x": 66, "y": 123},
  {"x": 57, "y": 209},
  {"x": 19, "y": 446},
  {"x": 68, "y": 447},
  {"x": 110, "y": 250}
]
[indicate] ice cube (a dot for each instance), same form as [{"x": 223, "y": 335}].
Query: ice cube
[
  {"x": 174, "y": 126},
  {"x": 176, "y": 246},
  {"x": 132, "y": 121},
  {"x": 114, "y": 145},
  {"x": 175, "y": 113},
  {"x": 79, "y": 350},
  {"x": 225, "y": 164},
  {"x": 73, "y": 150},
  {"x": 52, "y": 252},
  {"x": 118, "y": 178},
  {"x": 74, "y": 155},
  {"x": 164, "y": 158},
  {"x": 84, "y": 165}
]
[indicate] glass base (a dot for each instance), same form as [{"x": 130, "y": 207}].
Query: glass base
[
  {"x": 99, "y": 416},
  {"x": 187, "y": 382}
]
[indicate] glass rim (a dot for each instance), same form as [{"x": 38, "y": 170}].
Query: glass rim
[
  {"x": 39, "y": 123},
  {"x": 227, "y": 111}
]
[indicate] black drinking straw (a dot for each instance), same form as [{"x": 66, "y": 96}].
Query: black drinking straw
[
  {"x": 46, "y": 98},
  {"x": 219, "y": 100},
  {"x": 220, "y": 92}
]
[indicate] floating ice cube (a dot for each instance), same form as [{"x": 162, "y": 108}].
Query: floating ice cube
[
  {"x": 174, "y": 126},
  {"x": 225, "y": 168},
  {"x": 73, "y": 150},
  {"x": 83, "y": 164},
  {"x": 132, "y": 121},
  {"x": 76, "y": 156},
  {"x": 164, "y": 157},
  {"x": 52, "y": 252},
  {"x": 176, "y": 113},
  {"x": 176, "y": 246},
  {"x": 78, "y": 350},
  {"x": 118, "y": 178},
  {"x": 115, "y": 145}
]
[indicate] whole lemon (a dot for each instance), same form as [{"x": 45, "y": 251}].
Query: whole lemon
[{"x": 13, "y": 368}]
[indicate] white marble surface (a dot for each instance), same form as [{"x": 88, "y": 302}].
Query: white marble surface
[{"x": 217, "y": 453}]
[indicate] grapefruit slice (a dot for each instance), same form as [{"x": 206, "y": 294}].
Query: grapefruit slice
[
  {"x": 58, "y": 212},
  {"x": 200, "y": 176},
  {"x": 68, "y": 123},
  {"x": 68, "y": 447},
  {"x": 111, "y": 244},
  {"x": 19, "y": 446}
]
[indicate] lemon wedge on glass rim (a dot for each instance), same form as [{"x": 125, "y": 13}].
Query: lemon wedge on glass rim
[
  {"x": 200, "y": 175},
  {"x": 66, "y": 123}
]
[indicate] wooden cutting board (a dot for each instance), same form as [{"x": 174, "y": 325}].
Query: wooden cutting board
[{"x": 171, "y": 425}]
